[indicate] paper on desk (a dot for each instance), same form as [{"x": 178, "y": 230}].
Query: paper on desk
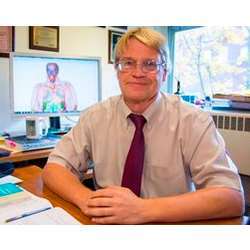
[
  {"x": 13, "y": 150},
  {"x": 20, "y": 207},
  {"x": 10, "y": 179},
  {"x": 53, "y": 216}
]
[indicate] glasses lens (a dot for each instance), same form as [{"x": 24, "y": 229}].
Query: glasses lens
[
  {"x": 126, "y": 65},
  {"x": 149, "y": 66}
]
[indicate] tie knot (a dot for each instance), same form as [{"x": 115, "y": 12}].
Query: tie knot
[{"x": 138, "y": 120}]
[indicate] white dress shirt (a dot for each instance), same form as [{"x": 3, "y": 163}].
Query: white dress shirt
[{"x": 183, "y": 149}]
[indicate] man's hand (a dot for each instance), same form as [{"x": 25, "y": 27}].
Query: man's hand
[{"x": 115, "y": 205}]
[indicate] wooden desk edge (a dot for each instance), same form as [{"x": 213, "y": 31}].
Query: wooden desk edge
[
  {"x": 32, "y": 181},
  {"x": 27, "y": 155}
]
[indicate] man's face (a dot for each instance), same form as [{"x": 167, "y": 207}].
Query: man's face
[
  {"x": 52, "y": 72},
  {"x": 136, "y": 85}
]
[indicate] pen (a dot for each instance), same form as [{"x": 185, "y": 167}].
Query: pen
[{"x": 27, "y": 214}]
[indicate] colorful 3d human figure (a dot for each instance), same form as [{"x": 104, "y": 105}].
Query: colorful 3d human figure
[{"x": 53, "y": 95}]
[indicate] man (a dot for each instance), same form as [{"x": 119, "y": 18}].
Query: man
[
  {"x": 53, "y": 95},
  {"x": 177, "y": 144}
]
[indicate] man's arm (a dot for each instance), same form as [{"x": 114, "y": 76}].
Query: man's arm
[
  {"x": 117, "y": 205},
  {"x": 36, "y": 98},
  {"x": 70, "y": 97},
  {"x": 208, "y": 203},
  {"x": 60, "y": 180}
]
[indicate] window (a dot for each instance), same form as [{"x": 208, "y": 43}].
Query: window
[{"x": 210, "y": 60}]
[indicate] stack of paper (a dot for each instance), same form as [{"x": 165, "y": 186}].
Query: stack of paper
[
  {"x": 10, "y": 192},
  {"x": 32, "y": 210},
  {"x": 50, "y": 216}
]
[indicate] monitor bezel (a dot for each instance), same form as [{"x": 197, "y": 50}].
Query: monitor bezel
[{"x": 48, "y": 114}]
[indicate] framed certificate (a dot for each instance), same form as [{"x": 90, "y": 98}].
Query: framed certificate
[
  {"x": 7, "y": 43},
  {"x": 114, "y": 37},
  {"x": 44, "y": 38}
]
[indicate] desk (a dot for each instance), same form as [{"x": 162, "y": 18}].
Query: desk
[
  {"x": 32, "y": 181},
  {"x": 27, "y": 155}
]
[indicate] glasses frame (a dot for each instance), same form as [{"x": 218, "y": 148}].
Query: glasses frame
[{"x": 118, "y": 66}]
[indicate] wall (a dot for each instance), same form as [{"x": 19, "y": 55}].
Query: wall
[
  {"x": 74, "y": 41},
  {"x": 238, "y": 147},
  {"x": 235, "y": 129}
]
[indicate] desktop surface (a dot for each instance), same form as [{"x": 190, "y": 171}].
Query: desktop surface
[{"x": 34, "y": 144}]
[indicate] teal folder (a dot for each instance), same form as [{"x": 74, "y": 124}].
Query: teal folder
[{"x": 8, "y": 189}]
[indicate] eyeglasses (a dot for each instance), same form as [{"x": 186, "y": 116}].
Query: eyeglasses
[{"x": 147, "y": 66}]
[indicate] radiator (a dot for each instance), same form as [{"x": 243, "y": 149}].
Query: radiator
[{"x": 235, "y": 129}]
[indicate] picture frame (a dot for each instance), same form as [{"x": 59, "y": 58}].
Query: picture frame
[
  {"x": 44, "y": 38},
  {"x": 7, "y": 40},
  {"x": 120, "y": 27},
  {"x": 114, "y": 37}
]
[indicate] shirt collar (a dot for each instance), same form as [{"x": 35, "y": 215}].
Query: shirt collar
[{"x": 152, "y": 113}]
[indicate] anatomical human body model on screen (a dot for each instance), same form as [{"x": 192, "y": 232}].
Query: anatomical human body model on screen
[{"x": 53, "y": 95}]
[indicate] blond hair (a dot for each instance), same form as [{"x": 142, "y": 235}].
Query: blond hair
[{"x": 149, "y": 37}]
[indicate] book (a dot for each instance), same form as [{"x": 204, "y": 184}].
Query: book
[
  {"x": 233, "y": 97},
  {"x": 34, "y": 211},
  {"x": 240, "y": 105},
  {"x": 10, "y": 192}
]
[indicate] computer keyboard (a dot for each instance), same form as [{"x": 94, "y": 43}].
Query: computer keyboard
[{"x": 35, "y": 144}]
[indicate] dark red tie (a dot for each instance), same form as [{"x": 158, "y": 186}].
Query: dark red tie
[{"x": 132, "y": 174}]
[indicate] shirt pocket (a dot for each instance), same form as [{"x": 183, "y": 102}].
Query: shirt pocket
[
  {"x": 165, "y": 178},
  {"x": 163, "y": 170}
]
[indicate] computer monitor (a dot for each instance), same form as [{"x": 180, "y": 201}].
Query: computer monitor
[{"x": 49, "y": 85}]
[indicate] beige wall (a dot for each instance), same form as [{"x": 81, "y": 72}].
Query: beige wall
[
  {"x": 79, "y": 41},
  {"x": 74, "y": 41}
]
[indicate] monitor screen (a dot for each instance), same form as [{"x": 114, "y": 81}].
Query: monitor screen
[{"x": 53, "y": 85}]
